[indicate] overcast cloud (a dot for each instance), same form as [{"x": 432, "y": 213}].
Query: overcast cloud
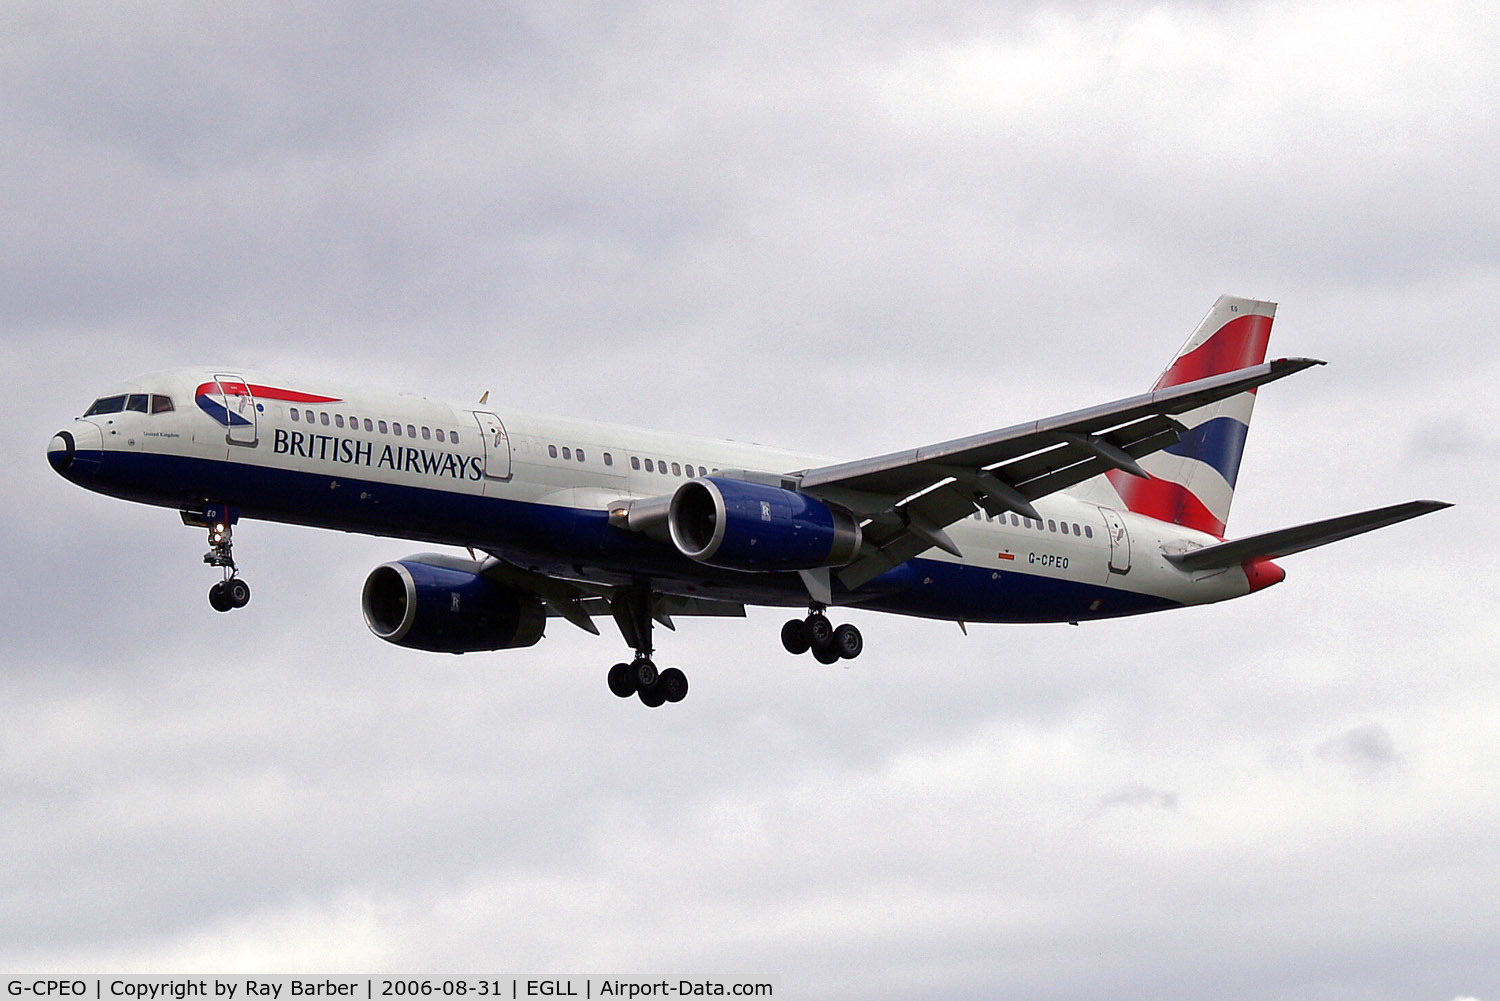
[{"x": 841, "y": 227}]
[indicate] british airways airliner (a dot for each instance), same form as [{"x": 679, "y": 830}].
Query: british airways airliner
[{"x": 1113, "y": 510}]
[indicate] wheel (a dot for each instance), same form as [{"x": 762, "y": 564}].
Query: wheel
[
  {"x": 621, "y": 682},
  {"x": 645, "y": 673},
  {"x": 794, "y": 636},
  {"x": 238, "y": 592},
  {"x": 218, "y": 599},
  {"x": 848, "y": 641},
  {"x": 819, "y": 629},
  {"x": 672, "y": 684},
  {"x": 826, "y": 654},
  {"x": 652, "y": 696}
]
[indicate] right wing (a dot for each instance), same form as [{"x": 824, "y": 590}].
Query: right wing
[{"x": 905, "y": 499}]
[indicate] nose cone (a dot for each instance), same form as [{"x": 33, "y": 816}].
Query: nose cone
[
  {"x": 76, "y": 452},
  {"x": 61, "y": 451}
]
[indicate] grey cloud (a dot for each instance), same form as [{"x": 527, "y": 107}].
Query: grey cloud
[{"x": 1368, "y": 750}]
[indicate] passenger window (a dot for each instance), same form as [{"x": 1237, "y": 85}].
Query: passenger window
[
  {"x": 1088, "y": 531},
  {"x": 676, "y": 469},
  {"x": 552, "y": 451},
  {"x": 369, "y": 425},
  {"x": 440, "y": 434},
  {"x": 338, "y": 420},
  {"x": 453, "y": 437},
  {"x": 609, "y": 460},
  {"x": 567, "y": 453},
  {"x": 396, "y": 430},
  {"x": 1075, "y": 529},
  {"x": 308, "y": 416},
  {"x": 1065, "y": 528},
  {"x": 661, "y": 466},
  {"x": 323, "y": 418},
  {"x": 650, "y": 467},
  {"x": 580, "y": 455},
  {"x": 426, "y": 433},
  {"x": 161, "y": 405},
  {"x": 353, "y": 423},
  {"x": 295, "y": 414},
  {"x": 1051, "y": 525},
  {"x": 411, "y": 432},
  {"x": 635, "y": 462},
  {"x": 383, "y": 428},
  {"x": 1015, "y": 522}
]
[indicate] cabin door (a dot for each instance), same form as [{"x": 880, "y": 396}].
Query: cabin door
[{"x": 496, "y": 446}]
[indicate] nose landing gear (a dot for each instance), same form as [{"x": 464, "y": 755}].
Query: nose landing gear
[
  {"x": 827, "y": 643},
  {"x": 231, "y": 592}
]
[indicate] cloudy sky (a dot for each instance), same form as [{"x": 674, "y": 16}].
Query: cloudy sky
[{"x": 847, "y": 228}]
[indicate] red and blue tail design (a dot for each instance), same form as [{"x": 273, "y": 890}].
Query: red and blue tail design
[{"x": 1192, "y": 483}]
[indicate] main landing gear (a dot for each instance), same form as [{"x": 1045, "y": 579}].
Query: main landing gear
[
  {"x": 231, "y": 592},
  {"x": 632, "y": 608},
  {"x": 828, "y": 644},
  {"x": 640, "y": 677}
]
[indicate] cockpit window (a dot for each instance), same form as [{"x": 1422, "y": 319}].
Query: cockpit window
[
  {"x": 137, "y": 402},
  {"x": 106, "y": 405},
  {"x": 161, "y": 405}
]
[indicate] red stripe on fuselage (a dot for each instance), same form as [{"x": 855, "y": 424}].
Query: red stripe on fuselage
[
  {"x": 263, "y": 392},
  {"x": 1240, "y": 343}
]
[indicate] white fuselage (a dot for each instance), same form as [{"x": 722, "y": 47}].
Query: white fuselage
[{"x": 536, "y": 492}]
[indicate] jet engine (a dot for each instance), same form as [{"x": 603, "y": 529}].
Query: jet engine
[
  {"x": 740, "y": 525},
  {"x": 425, "y": 603}
]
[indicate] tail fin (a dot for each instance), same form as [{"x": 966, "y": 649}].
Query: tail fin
[{"x": 1192, "y": 483}]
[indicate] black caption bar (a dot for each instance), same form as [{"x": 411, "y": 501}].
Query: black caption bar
[{"x": 383, "y": 988}]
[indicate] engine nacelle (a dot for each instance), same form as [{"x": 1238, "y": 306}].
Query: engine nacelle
[
  {"x": 425, "y": 604},
  {"x": 740, "y": 525}
]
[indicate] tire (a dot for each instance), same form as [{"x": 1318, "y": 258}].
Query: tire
[
  {"x": 848, "y": 641},
  {"x": 652, "y": 696},
  {"x": 218, "y": 599},
  {"x": 238, "y": 592},
  {"x": 819, "y": 629},
  {"x": 826, "y": 654},
  {"x": 644, "y": 673},
  {"x": 673, "y": 685},
  {"x": 794, "y": 636},
  {"x": 621, "y": 681}
]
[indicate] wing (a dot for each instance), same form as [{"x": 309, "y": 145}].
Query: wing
[
  {"x": 580, "y": 601},
  {"x": 909, "y": 497}
]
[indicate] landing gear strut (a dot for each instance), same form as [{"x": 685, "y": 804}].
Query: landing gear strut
[
  {"x": 231, "y": 592},
  {"x": 633, "y": 613},
  {"x": 828, "y": 644}
]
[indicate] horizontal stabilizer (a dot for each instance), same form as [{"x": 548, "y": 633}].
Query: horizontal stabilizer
[{"x": 1286, "y": 541}]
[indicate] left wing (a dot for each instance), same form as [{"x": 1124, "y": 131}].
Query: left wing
[
  {"x": 580, "y": 601},
  {"x": 909, "y": 497}
]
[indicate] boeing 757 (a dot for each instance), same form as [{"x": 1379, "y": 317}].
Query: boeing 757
[{"x": 1117, "y": 509}]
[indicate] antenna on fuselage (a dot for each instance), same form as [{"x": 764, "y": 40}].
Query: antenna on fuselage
[{"x": 486, "y": 397}]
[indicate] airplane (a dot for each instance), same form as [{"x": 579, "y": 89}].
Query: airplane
[{"x": 1117, "y": 509}]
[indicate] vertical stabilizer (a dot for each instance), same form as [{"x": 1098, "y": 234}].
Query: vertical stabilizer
[{"x": 1192, "y": 483}]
